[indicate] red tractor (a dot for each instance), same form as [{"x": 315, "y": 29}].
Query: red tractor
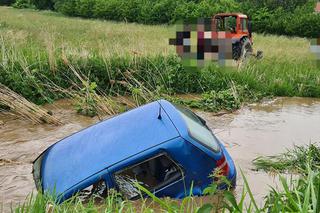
[{"x": 239, "y": 30}]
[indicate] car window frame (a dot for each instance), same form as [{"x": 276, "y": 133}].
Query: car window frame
[
  {"x": 205, "y": 126},
  {"x": 101, "y": 179},
  {"x": 154, "y": 190}
]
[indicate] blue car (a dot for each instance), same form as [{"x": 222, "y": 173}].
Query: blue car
[{"x": 164, "y": 147}]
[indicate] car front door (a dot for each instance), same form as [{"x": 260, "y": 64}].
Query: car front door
[{"x": 159, "y": 174}]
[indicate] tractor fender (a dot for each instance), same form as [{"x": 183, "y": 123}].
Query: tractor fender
[{"x": 239, "y": 39}]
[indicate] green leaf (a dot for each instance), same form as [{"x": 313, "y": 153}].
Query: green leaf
[
  {"x": 155, "y": 198},
  {"x": 206, "y": 208},
  {"x": 288, "y": 194},
  {"x": 210, "y": 190},
  {"x": 249, "y": 191},
  {"x": 230, "y": 197}
]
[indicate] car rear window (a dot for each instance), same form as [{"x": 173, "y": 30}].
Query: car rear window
[
  {"x": 198, "y": 130},
  {"x": 152, "y": 174}
]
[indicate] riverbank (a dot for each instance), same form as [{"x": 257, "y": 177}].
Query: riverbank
[{"x": 42, "y": 61}]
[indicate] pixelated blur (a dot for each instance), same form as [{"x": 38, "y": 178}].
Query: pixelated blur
[
  {"x": 317, "y": 8},
  {"x": 315, "y": 43},
  {"x": 315, "y": 48},
  {"x": 201, "y": 41}
]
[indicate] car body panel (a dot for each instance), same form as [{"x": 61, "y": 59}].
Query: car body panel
[
  {"x": 99, "y": 151},
  {"x": 101, "y": 145}
]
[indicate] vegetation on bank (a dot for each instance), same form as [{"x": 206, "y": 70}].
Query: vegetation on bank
[
  {"x": 298, "y": 159},
  {"x": 299, "y": 194},
  {"x": 290, "y": 17},
  {"x": 43, "y": 54}
]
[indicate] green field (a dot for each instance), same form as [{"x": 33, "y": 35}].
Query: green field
[
  {"x": 46, "y": 30},
  {"x": 49, "y": 31},
  {"x": 38, "y": 48}
]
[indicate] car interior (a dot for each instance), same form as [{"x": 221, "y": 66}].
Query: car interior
[{"x": 153, "y": 174}]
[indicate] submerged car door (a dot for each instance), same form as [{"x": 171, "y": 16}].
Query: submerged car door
[
  {"x": 97, "y": 185},
  {"x": 158, "y": 172}
]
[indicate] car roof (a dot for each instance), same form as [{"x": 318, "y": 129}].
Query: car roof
[{"x": 85, "y": 153}]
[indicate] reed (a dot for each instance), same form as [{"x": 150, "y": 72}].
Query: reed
[{"x": 24, "y": 108}]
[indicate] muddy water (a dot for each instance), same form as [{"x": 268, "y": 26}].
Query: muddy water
[
  {"x": 261, "y": 129},
  {"x": 21, "y": 142}
]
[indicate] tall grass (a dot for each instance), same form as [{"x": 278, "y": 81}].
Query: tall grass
[
  {"x": 298, "y": 195},
  {"x": 34, "y": 46},
  {"x": 297, "y": 159}
]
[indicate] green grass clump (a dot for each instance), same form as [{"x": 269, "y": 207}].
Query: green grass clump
[
  {"x": 294, "y": 160},
  {"x": 299, "y": 195},
  {"x": 226, "y": 99}
]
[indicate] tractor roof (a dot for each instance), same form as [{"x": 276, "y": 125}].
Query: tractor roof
[{"x": 241, "y": 15}]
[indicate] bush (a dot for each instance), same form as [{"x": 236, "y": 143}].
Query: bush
[
  {"x": 67, "y": 7},
  {"x": 297, "y": 20},
  {"x": 292, "y": 17},
  {"x": 7, "y": 2},
  {"x": 23, "y": 4},
  {"x": 145, "y": 11},
  {"x": 106, "y": 9},
  {"x": 43, "y": 4},
  {"x": 84, "y": 8}
]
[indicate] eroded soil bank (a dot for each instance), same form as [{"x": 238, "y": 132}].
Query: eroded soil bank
[{"x": 262, "y": 129}]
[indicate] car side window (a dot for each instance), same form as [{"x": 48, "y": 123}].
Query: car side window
[
  {"x": 152, "y": 174},
  {"x": 98, "y": 190}
]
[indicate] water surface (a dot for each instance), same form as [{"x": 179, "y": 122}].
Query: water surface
[{"x": 261, "y": 129}]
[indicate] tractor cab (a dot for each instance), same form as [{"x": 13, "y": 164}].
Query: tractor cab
[
  {"x": 237, "y": 24},
  {"x": 237, "y": 27}
]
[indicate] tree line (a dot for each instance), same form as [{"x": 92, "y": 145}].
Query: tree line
[{"x": 283, "y": 17}]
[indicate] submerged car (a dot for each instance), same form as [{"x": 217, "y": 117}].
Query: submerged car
[{"x": 164, "y": 147}]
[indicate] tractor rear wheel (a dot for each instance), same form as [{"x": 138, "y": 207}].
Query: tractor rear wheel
[{"x": 236, "y": 51}]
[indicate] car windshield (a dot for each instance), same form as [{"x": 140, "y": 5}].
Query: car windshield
[{"x": 198, "y": 129}]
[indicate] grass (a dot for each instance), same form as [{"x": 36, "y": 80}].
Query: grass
[
  {"x": 294, "y": 160},
  {"x": 50, "y": 31},
  {"x": 38, "y": 48},
  {"x": 298, "y": 195}
]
